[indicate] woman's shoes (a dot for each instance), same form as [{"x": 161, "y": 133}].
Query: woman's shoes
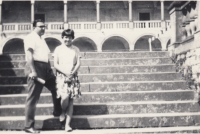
[
  {"x": 68, "y": 129},
  {"x": 62, "y": 117}
]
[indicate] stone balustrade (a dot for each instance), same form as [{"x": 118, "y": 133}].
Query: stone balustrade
[
  {"x": 189, "y": 19},
  {"x": 53, "y": 26}
]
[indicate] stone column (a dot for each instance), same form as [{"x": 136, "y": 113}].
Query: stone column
[
  {"x": 162, "y": 9},
  {"x": 176, "y": 23},
  {"x": 163, "y": 23},
  {"x": 0, "y": 12},
  {"x": 150, "y": 48},
  {"x": 197, "y": 33},
  {"x": 1, "y": 28},
  {"x": 130, "y": 14},
  {"x": 32, "y": 13},
  {"x": 98, "y": 14},
  {"x": 66, "y": 26}
]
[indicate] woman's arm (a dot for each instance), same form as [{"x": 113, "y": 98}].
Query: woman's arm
[
  {"x": 77, "y": 66},
  {"x": 56, "y": 62}
]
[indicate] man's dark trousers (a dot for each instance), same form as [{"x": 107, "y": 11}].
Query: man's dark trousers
[{"x": 45, "y": 72}]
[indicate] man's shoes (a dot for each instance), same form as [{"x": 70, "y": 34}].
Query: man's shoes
[{"x": 31, "y": 130}]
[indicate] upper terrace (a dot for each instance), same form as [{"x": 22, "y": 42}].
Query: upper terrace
[{"x": 98, "y": 22}]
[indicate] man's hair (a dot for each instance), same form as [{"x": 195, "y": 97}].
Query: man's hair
[
  {"x": 68, "y": 32},
  {"x": 36, "y": 21}
]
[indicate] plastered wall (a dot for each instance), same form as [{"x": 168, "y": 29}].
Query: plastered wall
[{"x": 13, "y": 11}]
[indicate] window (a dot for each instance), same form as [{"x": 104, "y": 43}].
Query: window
[
  {"x": 144, "y": 16},
  {"x": 40, "y": 16}
]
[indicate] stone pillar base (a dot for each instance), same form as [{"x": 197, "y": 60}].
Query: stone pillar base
[
  {"x": 66, "y": 25},
  {"x": 99, "y": 48},
  {"x": 163, "y": 24},
  {"x": 98, "y": 25},
  {"x": 131, "y": 25},
  {"x": 31, "y": 26},
  {"x": 1, "y": 28}
]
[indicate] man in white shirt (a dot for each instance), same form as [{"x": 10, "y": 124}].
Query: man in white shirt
[{"x": 38, "y": 66}]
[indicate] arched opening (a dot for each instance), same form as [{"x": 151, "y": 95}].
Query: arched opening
[
  {"x": 14, "y": 46},
  {"x": 156, "y": 45},
  {"x": 85, "y": 44},
  {"x": 142, "y": 44},
  {"x": 115, "y": 43},
  {"x": 52, "y": 43}
]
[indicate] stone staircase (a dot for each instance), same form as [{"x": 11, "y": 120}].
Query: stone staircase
[{"x": 119, "y": 90}]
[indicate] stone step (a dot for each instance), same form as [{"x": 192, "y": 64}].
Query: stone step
[
  {"x": 96, "y": 55},
  {"x": 163, "y": 130},
  {"x": 166, "y": 130},
  {"x": 99, "y": 62},
  {"x": 110, "y": 108},
  {"x": 108, "y": 97},
  {"x": 131, "y": 61},
  {"x": 103, "y": 55},
  {"x": 84, "y": 78},
  {"x": 107, "y": 87},
  {"x": 108, "y": 121},
  {"x": 99, "y": 70}
]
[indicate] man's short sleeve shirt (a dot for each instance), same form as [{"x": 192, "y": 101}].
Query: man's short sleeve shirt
[{"x": 39, "y": 46}]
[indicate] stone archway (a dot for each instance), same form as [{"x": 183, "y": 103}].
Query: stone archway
[
  {"x": 115, "y": 43},
  {"x": 14, "y": 46},
  {"x": 85, "y": 44},
  {"x": 52, "y": 43},
  {"x": 156, "y": 45},
  {"x": 142, "y": 44}
]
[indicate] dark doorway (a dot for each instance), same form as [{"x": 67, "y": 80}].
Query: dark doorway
[
  {"x": 40, "y": 16},
  {"x": 144, "y": 16}
]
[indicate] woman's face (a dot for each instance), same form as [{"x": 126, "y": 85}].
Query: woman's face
[{"x": 67, "y": 40}]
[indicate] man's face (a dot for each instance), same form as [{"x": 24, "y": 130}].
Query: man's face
[
  {"x": 67, "y": 40},
  {"x": 40, "y": 28}
]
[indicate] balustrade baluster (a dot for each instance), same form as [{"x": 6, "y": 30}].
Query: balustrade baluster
[{"x": 13, "y": 27}]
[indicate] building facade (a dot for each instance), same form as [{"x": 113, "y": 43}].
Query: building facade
[{"x": 100, "y": 25}]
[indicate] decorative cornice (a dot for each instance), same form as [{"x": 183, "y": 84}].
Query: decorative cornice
[{"x": 176, "y": 4}]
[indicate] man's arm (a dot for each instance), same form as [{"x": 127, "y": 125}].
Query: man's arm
[{"x": 30, "y": 62}]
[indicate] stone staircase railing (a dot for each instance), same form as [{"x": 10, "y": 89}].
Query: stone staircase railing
[{"x": 185, "y": 47}]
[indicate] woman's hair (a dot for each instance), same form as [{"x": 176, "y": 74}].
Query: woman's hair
[{"x": 68, "y": 32}]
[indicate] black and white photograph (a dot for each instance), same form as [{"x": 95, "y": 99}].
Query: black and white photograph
[{"x": 99, "y": 66}]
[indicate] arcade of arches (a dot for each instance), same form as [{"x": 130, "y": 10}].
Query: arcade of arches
[{"x": 115, "y": 43}]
